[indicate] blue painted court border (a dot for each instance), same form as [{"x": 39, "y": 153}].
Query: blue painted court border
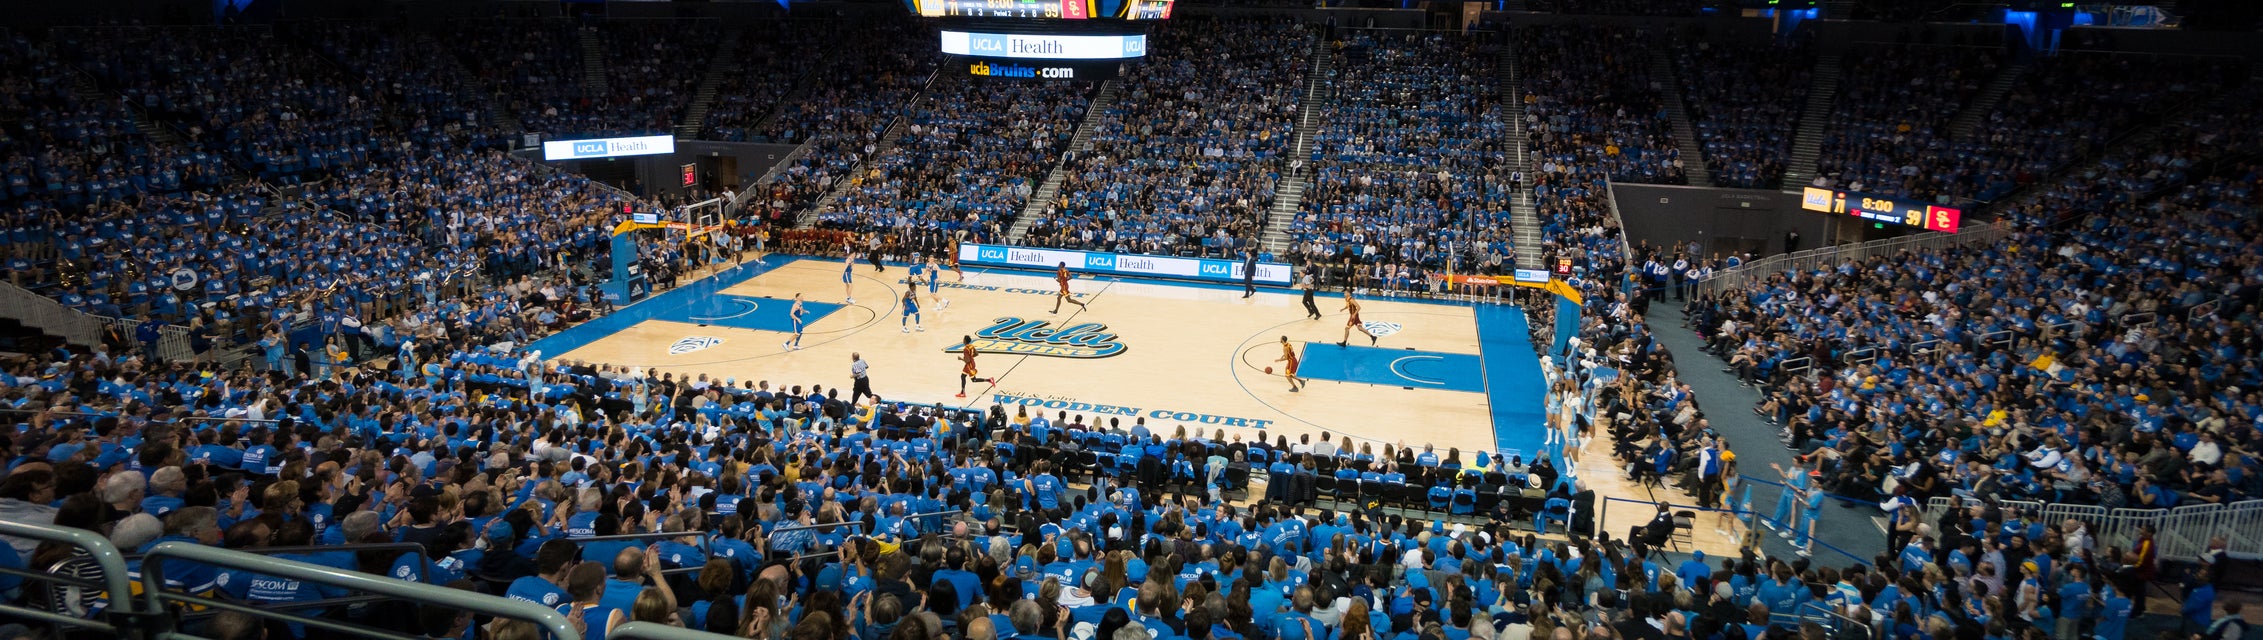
[
  {"x": 673, "y": 302},
  {"x": 1514, "y": 386},
  {"x": 1387, "y": 367}
]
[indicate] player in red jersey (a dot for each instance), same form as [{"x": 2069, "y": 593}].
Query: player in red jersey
[
  {"x": 1061, "y": 275},
  {"x": 1289, "y": 354},
  {"x": 1352, "y": 305},
  {"x": 966, "y": 364}
]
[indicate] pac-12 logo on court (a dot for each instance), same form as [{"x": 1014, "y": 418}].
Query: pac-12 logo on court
[
  {"x": 1038, "y": 338},
  {"x": 694, "y": 343},
  {"x": 1381, "y": 329}
]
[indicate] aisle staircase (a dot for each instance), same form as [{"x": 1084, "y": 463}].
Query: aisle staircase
[
  {"x": 86, "y": 89},
  {"x": 1977, "y": 111},
  {"x": 725, "y": 63},
  {"x": 887, "y": 141},
  {"x": 1807, "y": 145},
  {"x": 1685, "y": 131},
  {"x": 1524, "y": 218},
  {"x": 1078, "y": 144},
  {"x": 593, "y": 80},
  {"x": 499, "y": 113},
  {"x": 1288, "y": 194},
  {"x": 794, "y": 96}
]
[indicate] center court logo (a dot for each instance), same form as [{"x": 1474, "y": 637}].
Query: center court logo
[
  {"x": 1382, "y": 329},
  {"x": 1015, "y": 336},
  {"x": 693, "y": 343}
]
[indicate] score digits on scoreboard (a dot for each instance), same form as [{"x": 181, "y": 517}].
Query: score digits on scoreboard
[{"x": 1883, "y": 209}]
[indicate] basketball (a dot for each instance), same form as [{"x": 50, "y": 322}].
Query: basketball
[{"x": 1268, "y": 369}]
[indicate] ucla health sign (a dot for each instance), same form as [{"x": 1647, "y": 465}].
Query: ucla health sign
[
  {"x": 607, "y": 147},
  {"x": 1123, "y": 264},
  {"x": 1044, "y": 47}
]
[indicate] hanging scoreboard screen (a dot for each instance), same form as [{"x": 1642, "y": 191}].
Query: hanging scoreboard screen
[
  {"x": 1049, "y": 9},
  {"x": 1877, "y": 208},
  {"x": 1045, "y": 9}
]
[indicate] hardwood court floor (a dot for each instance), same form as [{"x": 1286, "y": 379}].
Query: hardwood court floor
[{"x": 1190, "y": 356}]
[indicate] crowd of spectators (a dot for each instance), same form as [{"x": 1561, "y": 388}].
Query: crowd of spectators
[
  {"x": 2096, "y": 360},
  {"x": 401, "y": 70},
  {"x": 504, "y": 466},
  {"x": 2181, "y": 152},
  {"x": 1589, "y": 99},
  {"x": 773, "y": 59},
  {"x": 652, "y": 69},
  {"x": 1745, "y": 102},
  {"x": 68, "y": 149},
  {"x": 532, "y": 68},
  {"x": 519, "y": 220},
  {"x": 842, "y": 120},
  {"x": 1186, "y": 158},
  {"x": 1888, "y": 132},
  {"x": 966, "y": 161},
  {"x": 2068, "y": 106},
  {"x": 184, "y": 239},
  {"x": 276, "y": 110},
  {"x": 1409, "y": 161}
]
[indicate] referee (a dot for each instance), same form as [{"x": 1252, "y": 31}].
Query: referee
[
  {"x": 857, "y": 370},
  {"x": 1305, "y": 283}
]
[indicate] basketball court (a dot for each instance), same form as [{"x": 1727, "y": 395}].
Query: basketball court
[{"x": 1173, "y": 354}]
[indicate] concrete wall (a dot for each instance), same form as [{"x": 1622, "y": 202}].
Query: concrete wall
[
  {"x": 663, "y": 174},
  {"x": 1722, "y": 220}
]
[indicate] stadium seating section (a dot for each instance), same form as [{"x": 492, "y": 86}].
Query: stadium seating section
[
  {"x": 1186, "y": 159},
  {"x": 335, "y": 203},
  {"x": 1410, "y": 159}
]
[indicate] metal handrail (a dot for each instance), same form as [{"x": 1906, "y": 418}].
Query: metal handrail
[
  {"x": 405, "y": 547},
  {"x": 1742, "y": 276},
  {"x": 98, "y": 416},
  {"x": 154, "y": 595},
  {"x": 114, "y": 580},
  {"x": 857, "y": 523}
]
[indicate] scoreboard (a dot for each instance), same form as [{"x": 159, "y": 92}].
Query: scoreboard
[
  {"x": 1045, "y": 9},
  {"x": 1053, "y": 9},
  {"x": 1883, "y": 209}
]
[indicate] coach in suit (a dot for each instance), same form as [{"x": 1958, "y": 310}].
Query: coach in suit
[{"x": 1249, "y": 273}]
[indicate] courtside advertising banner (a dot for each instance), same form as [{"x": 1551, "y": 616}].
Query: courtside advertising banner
[
  {"x": 1123, "y": 264},
  {"x": 607, "y": 147},
  {"x": 1044, "y": 47}
]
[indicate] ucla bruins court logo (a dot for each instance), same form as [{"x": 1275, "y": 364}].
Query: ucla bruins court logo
[{"x": 1017, "y": 336}]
